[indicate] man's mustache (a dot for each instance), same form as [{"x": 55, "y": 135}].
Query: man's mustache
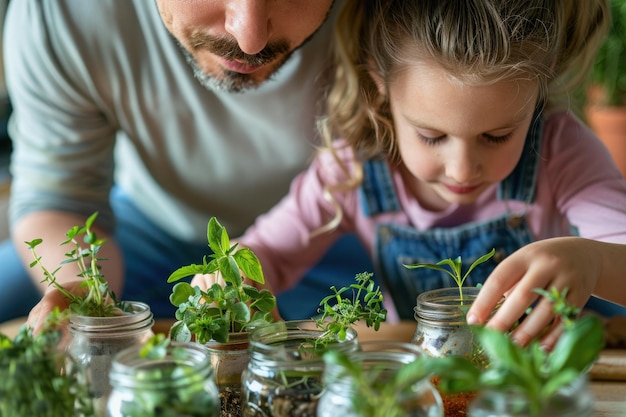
[{"x": 229, "y": 49}]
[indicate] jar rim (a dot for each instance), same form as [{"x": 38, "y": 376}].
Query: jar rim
[
  {"x": 127, "y": 363},
  {"x": 139, "y": 318},
  {"x": 276, "y": 342}
]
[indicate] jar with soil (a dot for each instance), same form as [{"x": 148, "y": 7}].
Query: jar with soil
[
  {"x": 572, "y": 400},
  {"x": 284, "y": 374},
  {"x": 179, "y": 382},
  {"x": 229, "y": 360},
  {"x": 368, "y": 384},
  {"x": 443, "y": 331},
  {"x": 94, "y": 341}
]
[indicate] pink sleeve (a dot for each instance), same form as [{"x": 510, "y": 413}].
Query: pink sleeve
[
  {"x": 281, "y": 238},
  {"x": 583, "y": 181}
]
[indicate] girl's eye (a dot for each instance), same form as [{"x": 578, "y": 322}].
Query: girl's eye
[
  {"x": 497, "y": 139},
  {"x": 430, "y": 140}
]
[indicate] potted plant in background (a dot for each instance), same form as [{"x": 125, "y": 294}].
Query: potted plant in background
[
  {"x": 221, "y": 316},
  {"x": 35, "y": 379},
  {"x": 99, "y": 325},
  {"x": 605, "y": 107}
]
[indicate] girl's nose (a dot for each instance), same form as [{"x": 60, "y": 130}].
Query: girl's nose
[
  {"x": 462, "y": 166},
  {"x": 248, "y": 22}
]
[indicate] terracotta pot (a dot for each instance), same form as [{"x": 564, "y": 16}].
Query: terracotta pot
[{"x": 609, "y": 123}]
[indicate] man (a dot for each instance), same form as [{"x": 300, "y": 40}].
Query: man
[{"x": 157, "y": 115}]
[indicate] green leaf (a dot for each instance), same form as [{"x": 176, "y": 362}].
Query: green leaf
[
  {"x": 229, "y": 270},
  {"x": 479, "y": 261},
  {"x": 578, "y": 346},
  {"x": 215, "y": 237},
  {"x": 249, "y": 264},
  {"x": 181, "y": 293},
  {"x": 241, "y": 312},
  {"x": 180, "y": 332},
  {"x": 265, "y": 302}
]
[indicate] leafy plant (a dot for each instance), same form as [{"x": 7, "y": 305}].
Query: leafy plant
[
  {"x": 339, "y": 312},
  {"x": 34, "y": 381},
  {"x": 608, "y": 70},
  {"x": 531, "y": 370},
  {"x": 98, "y": 300},
  {"x": 231, "y": 306},
  {"x": 454, "y": 268}
]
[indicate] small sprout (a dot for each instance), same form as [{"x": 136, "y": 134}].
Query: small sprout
[{"x": 454, "y": 268}]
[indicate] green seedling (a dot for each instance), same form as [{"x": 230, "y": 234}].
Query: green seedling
[{"x": 453, "y": 268}]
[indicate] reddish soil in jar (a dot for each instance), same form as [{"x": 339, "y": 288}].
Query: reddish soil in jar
[{"x": 454, "y": 405}]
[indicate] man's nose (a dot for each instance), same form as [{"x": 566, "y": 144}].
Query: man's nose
[{"x": 248, "y": 22}]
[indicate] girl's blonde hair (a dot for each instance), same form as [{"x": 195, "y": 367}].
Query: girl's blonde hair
[{"x": 552, "y": 42}]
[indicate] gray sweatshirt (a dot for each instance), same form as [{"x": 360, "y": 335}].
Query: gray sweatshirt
[{"x": 102, "y": 94}]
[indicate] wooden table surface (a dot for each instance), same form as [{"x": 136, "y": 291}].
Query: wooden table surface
[{"x": 608, "y": 375}]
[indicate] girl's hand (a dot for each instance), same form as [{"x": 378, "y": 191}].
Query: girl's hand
[
  {"x": 568, "y": 262},
  {"x": 204, "y": 281}
]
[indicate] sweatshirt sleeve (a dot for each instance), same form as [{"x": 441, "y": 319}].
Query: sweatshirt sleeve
[
  {"x": 63, "y": 143},
  {"x": 583, "y": 181}
]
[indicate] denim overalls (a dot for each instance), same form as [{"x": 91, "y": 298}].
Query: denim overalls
[{"x": 396, "y": 245}]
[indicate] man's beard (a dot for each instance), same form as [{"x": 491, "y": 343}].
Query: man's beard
[{"x": 231, "y": 81}]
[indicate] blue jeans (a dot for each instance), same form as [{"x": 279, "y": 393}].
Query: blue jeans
[{"x": 151, "y": 255}]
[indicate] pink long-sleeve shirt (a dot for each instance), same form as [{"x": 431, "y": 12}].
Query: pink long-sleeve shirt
[{"x": 578, "y": 185}]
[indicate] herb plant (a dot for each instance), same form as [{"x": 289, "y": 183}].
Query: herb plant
[
  {"x": 224, "y": 308},
  {"x": 339, "y": 312},
  {"x": 530, "y": 370},
  {"x": 34, "y": 381},
  {"x": 454, "y": 268},
  {"x": 98, "y": 300}
]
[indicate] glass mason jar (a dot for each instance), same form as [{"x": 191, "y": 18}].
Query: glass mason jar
[
  {"x": 441, "y": 326},
  {"x": 379, "y": 362},
  {"x": 573, "y": 400},
  {"x": 229, "y": 360},
  {"x": 179, "y": 384},
  {"x": 442, "y": 330},
  {"x": 284, "y": 374},
  {"x": 94, "y": 341}
]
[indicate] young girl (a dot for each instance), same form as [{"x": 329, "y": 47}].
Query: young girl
[{"x": 455, "y": 139}]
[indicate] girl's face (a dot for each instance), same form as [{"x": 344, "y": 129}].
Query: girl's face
[{"x": 456, "y": 140}]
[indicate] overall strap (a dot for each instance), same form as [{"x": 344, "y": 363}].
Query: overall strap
[
  {"x": 377, "y": 192},
  {"x": 520, "y": 185}
]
